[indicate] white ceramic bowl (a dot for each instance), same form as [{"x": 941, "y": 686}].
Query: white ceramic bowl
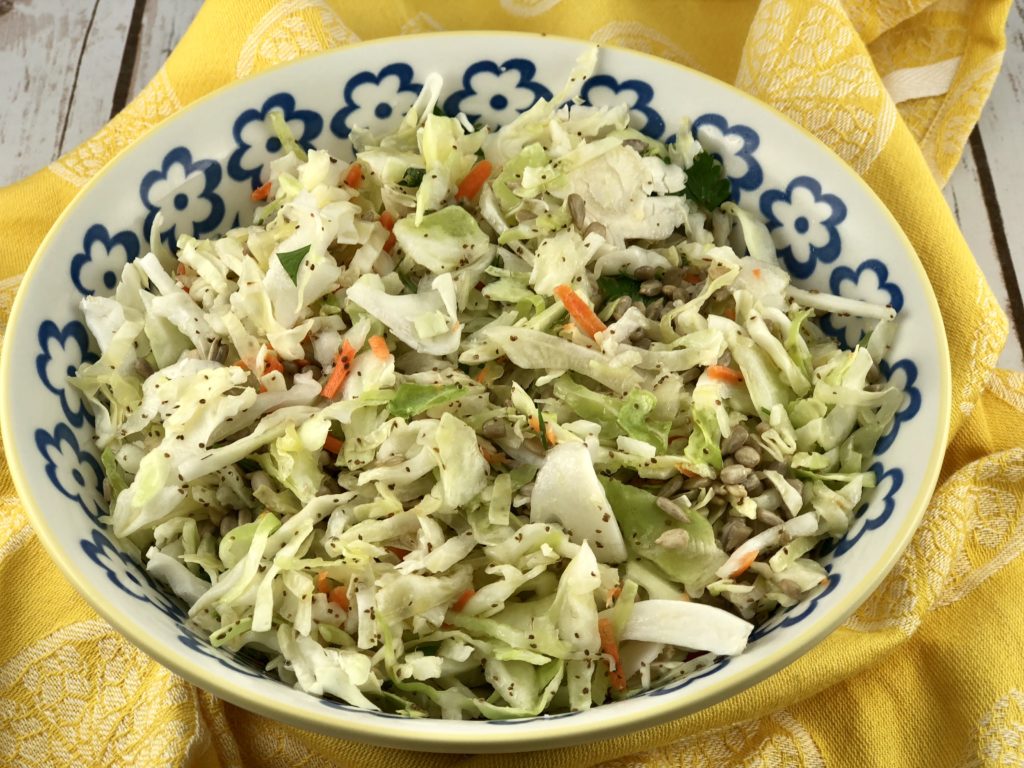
[{"x": 199, "y": 167}]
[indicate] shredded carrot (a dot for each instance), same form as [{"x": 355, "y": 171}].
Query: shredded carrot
[
  {"x": 398, "y": 552},
  {"x": 729, "y": 313},
  {"x": 745, "y": 563},
  {"x": 549, "y": 433},
  {"x": 322, "y": 584},
  {"x": 354, "y": 177},
  {"x": 464, "y": 598},
  {"x": 692, "y": 278},
  {"x": 333, "y": 445},
  {"x": 342, "y": 365},
  {"x": 757, "y": 272},
  {"x": 683, "y": 470},
  {"x": 380, "y": 347},
  {"x": 493, "y": 458},
  {"x": 724, "y": 373},
  {"x": 481, "y": 376},
  {"x": 181, "y": 269},
  {"x": 339, "y": 596},
  {"x": 613, "y": 595},
  {"x": 387, "y": 220},
  {"x": 271, "y": 363},
  {"x": 260, "y": 193},
  {"x": 578, "y": 310},
  {"x": 611, "y": 646},
  {"x": 471, "y": 185},
  {"x": 241, "y": 364},
  {"x": 302, "y": 362}
]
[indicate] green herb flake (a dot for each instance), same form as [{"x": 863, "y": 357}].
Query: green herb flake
[
  {"x": 614, "y": 287},
  {"x": 291, "y": 260},
  {"x": 413, "y": 177},
  {"x": 706, "y": 184}
]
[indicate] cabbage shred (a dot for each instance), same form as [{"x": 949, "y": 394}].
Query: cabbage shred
[{"x": 444, "y": 535}]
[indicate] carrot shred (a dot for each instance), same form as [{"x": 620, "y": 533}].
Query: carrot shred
[
  {"x": 613, "y": 595},
  {"x": 387, "y": 220},
  {"x": 686, "y": 472},
  {"x": 464, "y": 598},
  {"x": 724, "y": 373},
  {"x": 342, "y": 365},
  {"x": 757, "y": 272},
  {"x": 729, "y": 313},
  {"x": 241, "y": 364},
  {"x": 260, "y": 193},
  {"x": 333, "y": 445},
  {"x": 398, "y": 552},
  {"x": 271, "y": 363},
  {"x": 380, "y": 347},
  {"x": 354, "y": 177},
  {"x": 692, "y": 278},
  {"x": 745, "y": 563},
  {"x": 339, "y": 596},
  {"x": 481, "y": 376},
  {"x": 180, "y": 271},
  {"x": 611, "y": 646},
  {"x": 322, "y": 583},
  {"x": 471, "y": 185},
  {"x": 549, "y": 433},
  {"x": 578, "y": 310},
  {"x": 493, "y": 458}
]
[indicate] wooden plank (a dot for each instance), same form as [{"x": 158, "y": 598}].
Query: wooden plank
[
  {"x": 965, "y": 198},
  {"x": 163, "y": 24},
  {"x": 46, "y": 48},
  {"x": 998, "y": 144}
]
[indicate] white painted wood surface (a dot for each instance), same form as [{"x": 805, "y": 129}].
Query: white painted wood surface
[{"x": 66, "y": 65}]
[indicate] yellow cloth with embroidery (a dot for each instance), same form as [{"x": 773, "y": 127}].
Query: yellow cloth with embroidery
[{"x": 928, "y": 671}]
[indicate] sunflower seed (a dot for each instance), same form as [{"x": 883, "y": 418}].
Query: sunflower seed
[
  {"x": 144, "y": 369},
  {"x": 577, "y": 210},
  {"x": 790, "y": 588},
  {"x": 747, "y": 456},
  {"x": 244, "y": 517},
  {"x": 736, "y": 491},
  {"x": 636, "y": 145},
  {"x": 737, "y": 437},
  {"x": 670, "y": 291},
  {"x": 650, "y": 288},
  {"x": 644, "y": 273},
  {"x": 672, "y": 509},
  {"x": 671, "y": 487},
  {"x": 493, "y": 429},
  {"x": 654, "y": 309},
  {"x": 696, "y": 483},
  {"x": 596, "y": 228},
  {"x": 673, "y": 276},
  {"x": 227, "y": 523},
  {"x": 734, "y": 474},
  {"x": 753, "y": 485},
  {"x": 673, "y": 538},
  {"x": 768, "y": 517},
  {"x": 623, "y": 304},
  {"x": 734, "y": 533}
]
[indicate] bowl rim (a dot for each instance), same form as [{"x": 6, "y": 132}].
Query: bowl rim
[{"x": 539, "y": 732}]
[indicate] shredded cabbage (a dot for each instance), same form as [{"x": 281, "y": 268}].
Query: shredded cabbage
[{"x": 417, "y": 474}]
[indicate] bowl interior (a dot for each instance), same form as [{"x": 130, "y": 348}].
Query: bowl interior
[{"x": 198, "y": 169}]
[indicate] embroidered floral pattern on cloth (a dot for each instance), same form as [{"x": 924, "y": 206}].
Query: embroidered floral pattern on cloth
[{"x": 893, "y": 86}]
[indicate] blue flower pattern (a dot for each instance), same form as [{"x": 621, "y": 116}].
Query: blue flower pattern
[
  {"x": 804, "y": 222},
  {"x": 376, "y": 101},
  {"x": 803, "y": 218},
  {"x": 734, "y": 146},
  {"x": 256, "y": 143},
  {"x": 62, "y": 351},
  {"x": 184, "y": 191},
  {"x": 73, "y": 471},
  {"x": 869, "y": 281},
  {"x": 96, "y": 268},
  {"x": 605, "y": 90},
  {"x": 903, "y": 376},
  {"x": 889, "y": 483},
  {"x": 495, "y": 93}
]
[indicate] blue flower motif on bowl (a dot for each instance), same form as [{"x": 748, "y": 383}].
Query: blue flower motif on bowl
[
  {"x": 804, "y": 222},
  {"x": 62, "y": 351},
  {"x": 800, "y": 611},
  {"x": 734, "y": 146},
  {"x": 889, "y": 483},
  {"x": 495, "y": 93},
  {"x": 73, "y": 471},
  {"x": 870, "y": 282},
  {"x": 256, "y": 142},
  {"x": 605, "y": 90},
  {"x": 225, "y": 658},
  {"x": 128, "y": 576},
  {"x": 903, "y": 376},
  {"x": 183, "y": 190},
  {"x": 376, "y": 101},
  {"x": 96, "y": 268}
]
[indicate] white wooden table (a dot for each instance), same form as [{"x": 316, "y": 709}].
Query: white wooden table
[{"x": 67, "y": 66}]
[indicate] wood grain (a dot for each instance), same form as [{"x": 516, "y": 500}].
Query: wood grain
[
  {"x": 47, "y": 47},
  {"x": 163, "y": 24}
]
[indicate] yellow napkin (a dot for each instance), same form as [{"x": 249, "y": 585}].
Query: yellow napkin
[{"x": 928, "y": 672}]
